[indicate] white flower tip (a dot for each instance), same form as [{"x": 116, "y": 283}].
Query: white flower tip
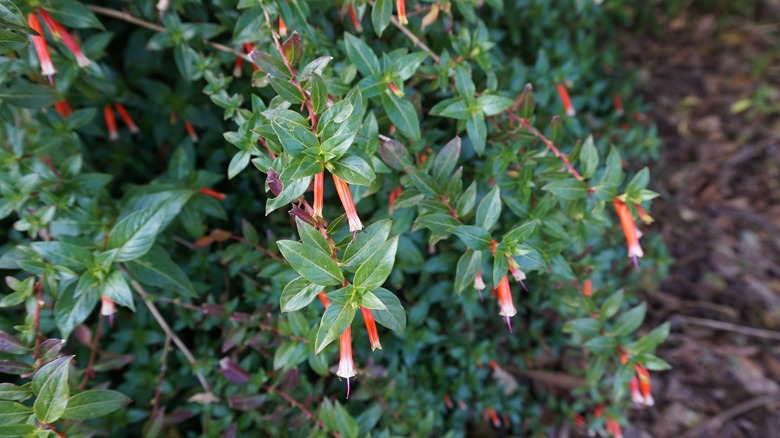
[
  {"x": 83, "y": 61},
  {"x": 571, "y": 112}
]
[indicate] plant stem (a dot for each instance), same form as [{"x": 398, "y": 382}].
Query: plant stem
[
  {"x": 295, "y": 403},
  {"x": 409, "y": 34},
  {"x": 124, "y": 16},
  {"x": 550, "y": 145},
  {"x": 163, "y": 369},
  {"x": 92, "y": 354},
  {"x": 169, "y": 332}
]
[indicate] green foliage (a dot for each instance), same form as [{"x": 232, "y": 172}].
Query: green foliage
[{"x": 453, "y": 163}]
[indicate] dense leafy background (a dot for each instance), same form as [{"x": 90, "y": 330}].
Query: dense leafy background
[{"x": 86, "y": 217}]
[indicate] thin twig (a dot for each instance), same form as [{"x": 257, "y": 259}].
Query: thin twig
[
  {"x": 37, "y": 317},
  {"x": 163, "y": 369},
  {"x": 721, "y": 325},
  {"x": 124, "y": 16},
  {"x": 547, "y": 142},
  {"x": 169, "y": 332},
  {"x": 718, "y": 420},
  {"x": 295, "y": 403},
  {"x": 409, "y": 34},
  {"x": 278, "y": 332},
  {"x": 93, "y": 348}
]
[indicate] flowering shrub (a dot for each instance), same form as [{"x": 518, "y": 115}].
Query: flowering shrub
[{"x": 233, "y": 182}]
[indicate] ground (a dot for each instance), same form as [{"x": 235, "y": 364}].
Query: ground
[{"x": 713, "y": 81}]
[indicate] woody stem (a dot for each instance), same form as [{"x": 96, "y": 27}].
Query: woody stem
[{"x": 547, "y": 142}]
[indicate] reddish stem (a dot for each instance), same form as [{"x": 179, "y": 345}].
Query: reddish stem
[{"x": 550, "y": 145}]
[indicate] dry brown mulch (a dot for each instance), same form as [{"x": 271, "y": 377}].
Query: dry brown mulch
[{"x": 719, "y": 177}]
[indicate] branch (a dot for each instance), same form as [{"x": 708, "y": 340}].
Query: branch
[
  {"x": 295, "y": 403},
  {"x": 124, "y": 16},
  {"x": 718, "y": 420},
  {"x": 409, "y": 34},
  {"x": 721, "y": 325},
  {"x": 550, "y": 145},
  {"x": 169, "y": 332}
]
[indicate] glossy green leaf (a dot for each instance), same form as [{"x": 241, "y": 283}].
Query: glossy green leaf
[
  {"x": 629, "y": 321},
  {"x": 394, "y": 317},
  {"x": 311, "y": 263},
  {"x": 53, "y": 394},
  {"x": 155, "y": 268},
  {"x": 489, "y": 209},
  {"x": 134, "y": 235},
  {"x": 402, "y": 114},
  {"x": 117, "y": 289},
  {"x": 13, "y": 413},
  {"x": 93, "y": 404},
  {"x": 446, "y": 159},
  {"x": 361, "y": 55},
  {"x": 337, "y": 317},
  {"x": 26, "y": 95},
  {"x": 366, "y": 244},
  {"x": 374, "y": 271},
  {"x": 567, "y": 189},
  {"x": 475, "y": 237},
  {"x": 380, "y": 15},
  {"x": 469, "y": 266},
  {"x": 298, "y": 294}
]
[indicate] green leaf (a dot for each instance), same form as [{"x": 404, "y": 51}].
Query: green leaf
[
  {"x": 500, "y": 267},
  {"x": 11, "y": 345},
  {"x": 380, "y": 15},
  {"x": 238, "y": 163},
  {"x": 654, "y": 363},
  {"x": 489, "y": 209},
  {"x": 475, "y": 237},
  {"x": 336, "y": 418},
  {"x": 311, "y": 237},
  {"x": 589, "y": 157},
  {"x": 13, "y": 413},
  {"x": 54, "y": 392},
  {"x": 613, "y": 176},
  {"x": 135, "y": 234},
  {"x": 361, "y": 55},
  {"x": 650, "y": 341},
  {"x": 370, "y": 301},
  {"x": 186, "y": 59},
  {"x": 639, "y": 181},
  {"x": 467, "y": 200},
  {"x": 446, "y": 160},
  {"x": 27, "y": 95},
  {"x": 117, "y": 289},
  {"x": 22, "y": 431},
  {"x": 567, "y": 189},
  {"x": 319, "y": 94},
  {"x": 12, "y": 41},
  {"x": 468, "y": 267},
  {"x": 366, "y": 244},
  {"x": 93, "y": 404},
  {"x": 622, "y": 378},
  {"x": 313, "y": 264},
  {"x": 295, "y": 138},
  {"x": 408, "y": 64},
  {"x": 11, "y": 14},
  {"x": 395, "y": 154},
  {"x": 477, "y": 131},
  {"x": 71, "y": 309},
  {"x": 492, "y": 104},
  {"x": 463, "y": 82},
  {"x": 423, "y": 182},
  {"x": 611, "y": 305},
  {"x": 71, "y": 13},
  {"x": 354, "y": 170},
  {"x": 286, "y": 90},
  {"x": 289, "y": 193},
  {"x": 521, "y": 233},
  {"x": 597, "y": 364},
  {"x": 298, "y": 294},
  {"x": 155, "y": 268},
  {"x": 394, "y": 317},
  {"x": 375, "y": 270},
  {"x": 402, "y": 114},
  {"x": 601, "y": 345},
  {"x": 440, "y": 223},
  {"x": 315, "y": 67},
  {"x": 9, "y": 391},
  {"x": 589, "y": 327},
  {"x": 337, "y": 317},
  {"x": 454, "y": 108},
  {"x": 629, "y": 321}
]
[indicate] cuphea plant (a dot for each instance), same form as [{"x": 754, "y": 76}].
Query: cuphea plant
[{"x": 423, "y": 152}]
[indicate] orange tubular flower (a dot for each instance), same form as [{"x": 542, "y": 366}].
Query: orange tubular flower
[
  {"x": 108, "y": 308},
  {"x": 219, "y": 196},
  {"x": 618, "y": 102},
  {"x": 373, "y": 336},
  {"x": 248, "y": 47},
  {"x": 131, "y": 126},
  {"x": 564, "y": 94},
  {"x": 113, "y": 133},
  {"x": 63, "y": 107},
  {"x": 283, "y": 30},
  {"x": 325, "y": 301},
  {"x": 494, "y": 418},
  {"x": 319, "y": 189},
  {"x": 342, "y": 188},
  {"x": 636, "y": 395},
  {"x": 394, "y": 88},
  {"x": 504, "y": 295},
  {"x": 613, "y": 428},
  {"x": 355, "y": 21},
  {"x": 60, "y": 32},
  {"x": 401, "y": 6},
  {"x": 346, "y": 364},
  {"x": 479, "y": 284},
  {"x": 629, "y": 229},
  {"x": 587, "y": 290},
  {"x": 646, "y": 218},
  {"x": 644, "y": 384},
  {"x": 41, "y": 48},
  {"x": 519, "y": 275},
  {"x": 237, "y": 67},
  {"x": 191, "y": 131}
]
